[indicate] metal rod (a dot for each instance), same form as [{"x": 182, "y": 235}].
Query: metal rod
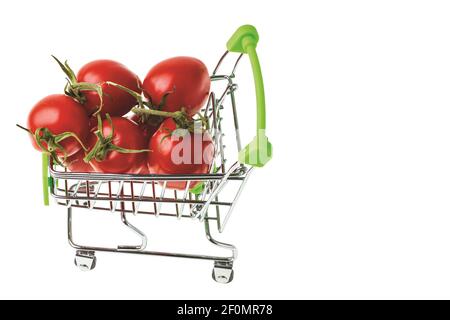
[
  {"x": 235, "y": 119},
  {"x": 175, "y": 195},
  {"x": 136, "y": 178},
  {"x": 238, "y": 194},
  {"x": 132, "y": 196},
  {"x": 75, "y": 190},
  {"x": 144, "y": 199},
  {"x": 185, "y": 194},
  {"x": 236, "y": 65},
  {"x": 150, "y": 213},
  {"x": 218, "y": 243},
  {"x": 152, "y": 253},
  {"x": 143, "y": 244},
  {"x": 138, "y": 204},
  {"x": 110, "y": 195},
  {"x": 154, "y": 196},
  {"x": 163, "y": 190},
  {"x": 214, "y": 193},
  {"x": 96, "y": 194},
  {"x": 117, "y": 197},
  {"x": 220, "y": 62},
  {"x": 88, "y": 193}
]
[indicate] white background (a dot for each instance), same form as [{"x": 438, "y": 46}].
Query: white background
[{"x": 354, "y": 204}]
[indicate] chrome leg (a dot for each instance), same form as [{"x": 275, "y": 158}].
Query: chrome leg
[
  {"x": 143, "y": 244},
  {"x": 223, "y": 270}
]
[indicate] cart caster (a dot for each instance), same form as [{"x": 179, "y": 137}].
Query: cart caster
[
  {"x": 85, "y": 260},
  {"x": 223, "y": 272}
]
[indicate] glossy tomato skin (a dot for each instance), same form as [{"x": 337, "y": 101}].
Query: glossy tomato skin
[
  {"x": 93, "y": 122},
  {"x": 116, "y": 102},
  {"x": 126, "y": 135},
  {"x": 167, "y": 151},
  {"x": 60, "y": 113},
  {"x": 75, "y": 163},
  {"x": 142, "y": 169},
  {"x": 187, "y": 80}
]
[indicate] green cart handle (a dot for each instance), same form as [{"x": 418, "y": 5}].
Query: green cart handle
[
  {"x": 45, "y": 178},
  {"x": 259, "y": 151}
]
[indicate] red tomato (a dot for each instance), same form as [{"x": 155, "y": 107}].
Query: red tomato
[
  {"x": 127, "y": 135},
  {"x": 186, "y": 80},
  {"x": 75, "y": 163},
  {"x": 189, "y": 154},
  {"x": 59, "y": 113},
  {"x": 93, "y": 121},
  {"x": 116, "y": 102},
  {"x": 148, "y": 127},
  {"x": 143, "y": 169}
]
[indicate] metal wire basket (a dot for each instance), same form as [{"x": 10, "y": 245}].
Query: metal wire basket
[{"x": 212, "y": 201}]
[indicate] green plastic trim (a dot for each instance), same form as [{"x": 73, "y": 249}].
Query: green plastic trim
[
  {"x": 198, "y": 188},
  {"x": 45, "y": 178},
  {"x": 258, "y": 152}
]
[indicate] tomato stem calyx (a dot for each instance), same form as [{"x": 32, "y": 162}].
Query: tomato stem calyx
[
  {"x": 181, "y": 118},
  {"x": 75, "y": 89},
  {"x": 52, "y": 142},
  {"x": 104, "y": 145}
]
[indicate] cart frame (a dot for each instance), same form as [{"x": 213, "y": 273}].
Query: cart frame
[{"x": 149, "y": 194}]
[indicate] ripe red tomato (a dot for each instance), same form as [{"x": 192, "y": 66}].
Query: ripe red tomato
[
  {"x": 59, "y": 113},
  {"x": 143, "y": 169},
  {"x": 127, "y": 135},
  {"x": 148, "y": 126},
  {"x": 116, "y": 102},
  {"x": 75, "y": 163},
  {"x": 186, "y": 80},
  {"x": 192, "y": 153}
]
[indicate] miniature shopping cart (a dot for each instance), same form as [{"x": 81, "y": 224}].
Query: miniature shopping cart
[{"x": 214, "y": 196}]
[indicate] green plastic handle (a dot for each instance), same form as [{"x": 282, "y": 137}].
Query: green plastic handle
[
  {"x": 259, "y": 151},
  {"x": 45, "y": 178}
]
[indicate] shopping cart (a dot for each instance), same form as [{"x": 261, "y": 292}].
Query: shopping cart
[{"x": 214, "y": 196}]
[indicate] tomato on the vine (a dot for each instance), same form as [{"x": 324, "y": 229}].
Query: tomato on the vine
[
  {"x": 183, "y": 80},
  {"x": 54, "y": 116},
  {"x": 178, "y": 151},
  {"x": 120, "y": 147},
  {"x": 91, "y": 83},
  {"x": 115, "y": 101}
]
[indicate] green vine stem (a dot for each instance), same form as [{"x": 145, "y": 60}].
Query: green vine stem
[
  {"x": 52, "y": 142},
  {"x": 136, "y": 95},
  {"x": 104, "y": 145},
  {"x": 181, "y": 118},
  {"x": 75, "y": 89},
  {"x": 139, "y": 99}
]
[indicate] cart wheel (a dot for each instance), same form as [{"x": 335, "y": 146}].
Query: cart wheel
[
  {"x": 223, "y": 272},
  {"x": 85, "y": 260}
]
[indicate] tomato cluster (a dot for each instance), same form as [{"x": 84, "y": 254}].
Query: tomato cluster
[{"x": 109, "y": 121}]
